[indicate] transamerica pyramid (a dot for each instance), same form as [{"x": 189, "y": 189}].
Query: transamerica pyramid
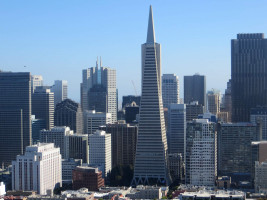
[{"x": 151, "y": 149}]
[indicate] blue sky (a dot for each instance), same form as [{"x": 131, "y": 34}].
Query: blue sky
[{"x": 57, "y": 39}]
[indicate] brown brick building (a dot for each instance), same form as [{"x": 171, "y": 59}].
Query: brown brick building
[{"x": 87, "y": 177}]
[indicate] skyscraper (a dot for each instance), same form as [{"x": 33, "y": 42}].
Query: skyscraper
[
  {"x": 213, "y": 102},
  {"x": 60, "y": 89},
  {"x": 69, "y": 113},
  {"x": 195, "y": 89},
  {"x": 248, "y": 74},
  {"x": 176, "y": 128},
  {"x": 151, "y": 150},
  {"x": 43, "y": 105},
  {"x": 170, "y": 89},
  {"x": 98, "y": 90},
  {"x": 15, "y": 115},
  {"x": 36, "y": 80}
]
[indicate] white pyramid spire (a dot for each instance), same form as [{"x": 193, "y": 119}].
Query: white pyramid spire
[{"x": 150, "y": 30}]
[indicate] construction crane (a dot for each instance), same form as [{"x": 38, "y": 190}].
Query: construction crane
[{"x": 134, "y": 88}]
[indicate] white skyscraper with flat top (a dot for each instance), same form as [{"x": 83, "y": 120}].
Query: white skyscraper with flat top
[{"x": 151, "y": 150}]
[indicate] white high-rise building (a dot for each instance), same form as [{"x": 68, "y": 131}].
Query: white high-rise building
[
  {"x": 201, "y": 153},
  {"x": 60, "y": 89},
  {"x": 151, "y": 150},
  {"x": 2, "y": 189},
  {"x": 260, "y": 180},
  {"x": 170, "y": 89},
  {"x": 100, "y": 151},
  {"x": 60, "y": 137},
  {"x": 98, "y": 90},
  {"x": 93, "y": 119},
  {"x": 39, "y": 169},
  {"x": 36, "y": 80},
  {"x": 176, "y": 128}
]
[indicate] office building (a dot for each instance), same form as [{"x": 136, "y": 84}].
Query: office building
[
  {"x": 258, "y": 153},
  {"x": 78, "y": 147},
  {"x": 87, "y": 177},
  {"x": 201, "y": 154},
  {"x": 213, "y": 102},
  {"x": 39, "y": 169},
  {"x": 60, "y": 137},
  {"x": 2, "y": 189},
  {"x": 209, "y": 116},
  {"x": 131, "y": 112},
  {"x": 195, "y": 89},
  {"x": 36, "y": 80},
  {"x": 123, "y": 142},
  {"x": 248, "y": 74},
  {"x": 93, "y": 119},
  {"x": 234, "y": 147},
  {"x": 223, "y": 117},
  {"x": 60, "y": 89},
  {"x": 128, "y": 100},
  {"x": 260, "y": 113},
  {"x": 69, "y": 113},
  {"x": 15, "y": 115},
  {"x": 151, "y": 149},
  {"x": 68, "y": 165},
  {"x": 176, "y": 166},
  {"x": 176, "y": 128},
  {"x": 193, "y": 110},
  {"x": 98, "y": 90},
  {"x": 170, "y": 90},
  {"x": 37, "y": 126},
  {"x": 100, "y": 151},
  {"x": 228, "y": 101},
  {"x": 260, "y": 177},
  {"x": 43, "y": 105}
]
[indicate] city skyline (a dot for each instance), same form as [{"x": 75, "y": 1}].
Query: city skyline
[{"x": 195, "y": 38}]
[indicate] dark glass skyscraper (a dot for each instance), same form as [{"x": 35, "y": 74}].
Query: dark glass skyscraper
[
  {"x": 15, "y": 115},
  {"x": 195, "y": 89},
  {"x": 249, "y": 74}
]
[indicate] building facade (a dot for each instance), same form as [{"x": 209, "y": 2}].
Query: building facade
[
  {"x": 100, "y": 151},
  {"x": 151, "y": 150},
  {"x": 260, "y": 114},
  {"x": 248, "y": 74},
  {"x": 123, "y": 142},
  {"x": 176, "y": 128},
  {"x": 36, "y": 80},
  {"x": 69, "y": 113},
  {"x": 170, "y": 89},
  {"x": 39, "y": 169},
  {"x": 193, "y": 110},
  {"x": 15, "y": 115},
  {"x": 201, "y": 154},
  {"x": 195, "y": 89},
  {"x": 60, "y": 89}
]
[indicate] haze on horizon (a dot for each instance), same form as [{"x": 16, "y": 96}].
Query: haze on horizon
[{"x": 57, "y": 39}]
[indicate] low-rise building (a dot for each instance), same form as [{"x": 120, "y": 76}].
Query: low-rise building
[
  {"x": 145, "y": 192},
  {"x": 68, "y": 165}
]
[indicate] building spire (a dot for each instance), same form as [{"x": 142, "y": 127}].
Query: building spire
[{"x": 150, "y": 30}]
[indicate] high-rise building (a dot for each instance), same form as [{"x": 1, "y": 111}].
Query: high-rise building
[
  {"x": 93, "y": 119},
  {"x": 60, "y": 89},
  {"x": 43, "y": 105},
  {"x": 170, "y": 89},
  {"x": 69, "y": 113},
  {"x": 131, "y": 112},
  {"x": 201, "y": 154},
  {"x": 60, "y": 137},
  {"x": 98, "y": 90},
  {"x": 195, "y": 89},
  {"x": 260, "y": 113},
  {"x": 176, "y": 128},
  {"x": 100, "y": 151},
  {"x": 260, "y": 177},
  {"x": 15, "y": 115},
  {"x": 39, "y": 169},
  {"x": 128, "y": 100},
  {"x": 123, "y": 142},
  {"x": 234, "y": 147},
  {"x": 176, "y": 166},
  {"x": 228, "y": 101},
  {"x": 36, "y": 80},
  {"x": 78, "y": 147},
  {"x": 213, "y": 102},
  {"x": 258, "y": 154},
  {"x": 151, "y": 149},
  {"x": 193, "y": 110},
  {"x": 37, "y": 126},
  {"x": 248, "y": 74}
]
